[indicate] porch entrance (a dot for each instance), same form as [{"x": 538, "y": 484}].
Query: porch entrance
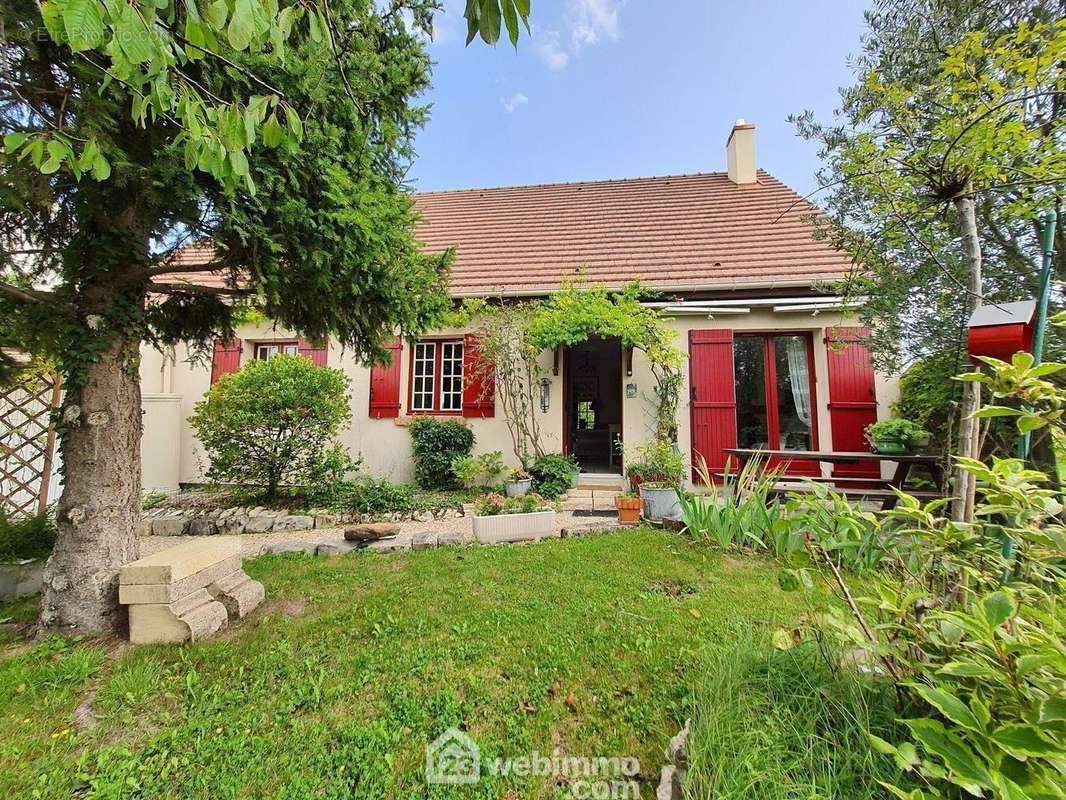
[{"x": 592, "y": 405}]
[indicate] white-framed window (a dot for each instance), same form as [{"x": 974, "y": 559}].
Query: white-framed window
[
  {"x": 451, "y": 376},
  {"x": 267, "y": 350},
  {"x": 423, "y": 376}
]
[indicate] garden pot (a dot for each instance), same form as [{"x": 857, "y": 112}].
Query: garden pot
[
  {"x": 628, "y": 509},
  {"x": 574, "y": 478},
  {"x": 660, "y": 503},
  {"x": 889, "y": 447},
  {"x": 919, "y": 443},
  {"x": 500, "y": 528},
  {"x": 518, "y": 488}
]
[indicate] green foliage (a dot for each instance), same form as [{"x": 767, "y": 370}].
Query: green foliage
[
  {"x": 553, "y": 474},
  {"x": 153, "y": 500},
  {"x": 483, "y": 18},
  {"x": 492, "y": 505},
  {"x": 656, "y": 464},
  {"x": 436, "y": 444},
  {"x": 971, "y": 627},
  {"x": 903, "y": 431},
  {"x": 367, "y": 495},
  {"x": 26, "y": 537},
  {"x": 737, "y": 512},
  {"x": 927, "y": 394},
  {"x": 480, "y": 470},
  {"x": 275, "y": 422},
  {"x": 782, "y": 726}
]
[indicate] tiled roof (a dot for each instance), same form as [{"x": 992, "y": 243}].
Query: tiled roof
[
  {"x": 679, "y": 232},
  {"x": 687, "y": 231}
]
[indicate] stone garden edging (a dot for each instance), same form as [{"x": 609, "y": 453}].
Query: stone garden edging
[{"x": 20, "y": 578}]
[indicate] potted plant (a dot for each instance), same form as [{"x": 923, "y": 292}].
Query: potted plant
[
  {"x": 628, "y": 505},
  {"x": 896, "y": 437},
  {"x": 553, "y": 474},
  {"x": 518, "y": 483},
  {"x": 656, "y": 472},
  {"x": 499, "y": 519}
]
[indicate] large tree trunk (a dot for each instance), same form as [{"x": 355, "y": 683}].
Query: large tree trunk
[
  {"x": 100, "y": 506},
  {"x": 969, "y": 428}
]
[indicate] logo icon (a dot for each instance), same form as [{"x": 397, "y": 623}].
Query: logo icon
[{"x": 453, "y": 758}]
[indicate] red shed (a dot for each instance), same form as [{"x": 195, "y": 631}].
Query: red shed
[{"x": 1000, "y": 331}]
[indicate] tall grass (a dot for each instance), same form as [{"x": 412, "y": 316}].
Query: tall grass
[
  {"x": 738, "y": 512},
  {"x": 780, "y": 725}
]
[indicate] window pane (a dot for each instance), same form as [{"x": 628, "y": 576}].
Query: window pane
[
  {"x": 292, "y": 350},
  {"x": 749, "y": 368},
  {"x": 793, "y": 393},
  {"x": 422, "y": 390},
  {"x": 451, "y": 381}
]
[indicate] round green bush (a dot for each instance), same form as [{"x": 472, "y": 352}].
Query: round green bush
[{"x": 437, "y": 443}]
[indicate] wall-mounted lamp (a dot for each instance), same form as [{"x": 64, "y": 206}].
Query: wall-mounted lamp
[{"x": 545, "y": 394}]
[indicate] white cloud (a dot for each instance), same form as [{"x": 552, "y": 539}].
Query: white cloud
[
  {"x": 514, "y": 101},
  {"x": 586, "y": 23},
  {"x": 549, "y": 47}
]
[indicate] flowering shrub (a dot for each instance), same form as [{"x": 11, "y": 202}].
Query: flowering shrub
[{"x": 492, "y": 505}]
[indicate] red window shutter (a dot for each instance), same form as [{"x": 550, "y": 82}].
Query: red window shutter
[
  {"x": 225, "y": 359},
  {"x": 316, "y": 354},
  {"x": 713, "y": 397},
  {"x": 479, "y": 381},
  {"x": 852, "y": 398},
  {"x": 385, "y": 385}
]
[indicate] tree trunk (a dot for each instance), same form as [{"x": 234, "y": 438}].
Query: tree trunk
[
  {"x": 99, "y": 510},
  {"x": 969, "y": 428}
]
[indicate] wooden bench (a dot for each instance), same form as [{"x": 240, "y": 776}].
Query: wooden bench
[{"x": 187, "y": 592}]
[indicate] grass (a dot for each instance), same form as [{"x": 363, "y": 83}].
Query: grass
[
  {"x": 26, "y": 537},
  {"x": 782, "y": 726},
  {"x": 589, "y": 646}
]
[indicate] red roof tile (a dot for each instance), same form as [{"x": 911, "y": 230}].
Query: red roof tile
[{"x": 680, "y": 232}]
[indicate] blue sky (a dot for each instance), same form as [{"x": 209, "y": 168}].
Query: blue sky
[{"x": 626, "y": 88}]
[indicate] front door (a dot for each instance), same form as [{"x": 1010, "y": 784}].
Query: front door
[{"x": 592, "y": 412}]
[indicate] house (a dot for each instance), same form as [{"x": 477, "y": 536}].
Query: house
[{"x": 773, "y": 361}]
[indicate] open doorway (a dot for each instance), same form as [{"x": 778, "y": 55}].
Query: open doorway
[{"x": 592, "y": 416}]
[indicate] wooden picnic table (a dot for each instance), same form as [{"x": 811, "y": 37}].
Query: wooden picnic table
[{"x": 904, "y": 463}]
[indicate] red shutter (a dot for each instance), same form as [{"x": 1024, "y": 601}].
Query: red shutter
[
  {"x": 713, "y": 397},
  {"x": 479, "y": 381},
  {"x": 385, "y": 385},
  {"x": 852, "y": 399},
  {"x": 316, "y": 354},
  {"x": 225, "y": 359}
]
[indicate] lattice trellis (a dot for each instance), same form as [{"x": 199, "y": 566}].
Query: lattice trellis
[{"x": 27, "y": 442}]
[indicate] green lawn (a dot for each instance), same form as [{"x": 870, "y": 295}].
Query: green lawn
[{"x": 591, "y": 646}]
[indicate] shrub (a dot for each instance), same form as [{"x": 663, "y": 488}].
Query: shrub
[
  {"x": 26, "y": 537},
  {"x": 482, "y": 470},
  {"x": 552, "y": 474},
  {"x": 275, "y": 422},
  {"x": 903, "y": 431},
  {"x": 437, "y": 443},
  {"x": 370, "y": 496}
]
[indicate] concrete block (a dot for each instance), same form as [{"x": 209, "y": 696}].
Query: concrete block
[
  {"x": 281, "y": 548},
  {"x": 189, "y": 619},
  {"x": 238, "y": 593},
  {"x": 176, "y": 563},
  {"x": 333, "y": 549},
  {"x": 423, "y": 540},
  {"x": 129, "y": 594}
]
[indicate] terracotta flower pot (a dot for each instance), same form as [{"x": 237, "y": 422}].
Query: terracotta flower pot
[{"x": 628, "y": 509}]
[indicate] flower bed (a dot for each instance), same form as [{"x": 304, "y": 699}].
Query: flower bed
[{"x": 500, "y": 519}]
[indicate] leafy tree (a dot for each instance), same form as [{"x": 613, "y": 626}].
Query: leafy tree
[
  {"x": 273, "y": 136},
  {"x": 945, "y": 119},
  {"x": 275, "y": 422}
]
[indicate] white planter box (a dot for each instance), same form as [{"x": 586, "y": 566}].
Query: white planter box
[
  {"x": 20, "y": 578},
  {"x": 514, "y": 527}
]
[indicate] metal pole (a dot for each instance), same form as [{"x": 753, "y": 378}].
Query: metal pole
[{"x": 1025, "y": 440}]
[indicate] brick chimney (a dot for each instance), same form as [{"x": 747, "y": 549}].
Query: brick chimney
[{"x": 740, "y": 152}]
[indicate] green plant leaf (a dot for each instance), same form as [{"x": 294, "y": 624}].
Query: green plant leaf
[
  {"x": 997, "y": 608},
  {"x": 216, "y": 14},
  {"x": 1053, "y": 709},
  {"x": 1024, "y": 741},
  {"x": 83, "y": 23},
  {"x": 241, "y": 25},
  {"x": 273, "y": 133},
  {"x": 13, "y": 141},
  {"x": 955, "y": 753},
  {"x": 950, "y": 706}
]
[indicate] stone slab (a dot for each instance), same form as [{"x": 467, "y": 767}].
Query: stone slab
[
  {"x": 130, "y": 594},
  {"x": 177, "y": 622},
  {"x": 177, "y": 563},
  {"x": 259, "y": 523},
  {"x": 238, "y": 593},
  {"x": 370, "y": 531},
  {"x": 423, "y": 540},
  {"x": 281, "y": 548},
  {"x": 333, "y": 549},
  {"x": 294, "y": 522}
]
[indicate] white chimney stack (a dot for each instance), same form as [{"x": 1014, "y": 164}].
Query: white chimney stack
[{"x": 740, "y": 152}]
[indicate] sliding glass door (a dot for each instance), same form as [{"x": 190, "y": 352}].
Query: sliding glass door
[{"x": 775, "y": 395}]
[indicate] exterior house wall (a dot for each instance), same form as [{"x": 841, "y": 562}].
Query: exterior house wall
[{"x": 172, "y": 386}]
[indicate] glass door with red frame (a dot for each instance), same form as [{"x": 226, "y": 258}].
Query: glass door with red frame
[{"x": 775, "y": 395}]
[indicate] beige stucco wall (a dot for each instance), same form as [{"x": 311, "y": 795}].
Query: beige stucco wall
[{"x": 384, "y": 444}]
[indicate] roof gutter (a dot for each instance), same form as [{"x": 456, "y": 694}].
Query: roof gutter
[{"x": 682, "y": 287}]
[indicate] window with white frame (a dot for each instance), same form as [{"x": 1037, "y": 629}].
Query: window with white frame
[
  {"x": 437, "y": 377},
  {"x": 451, "y": 376},
  {"x": 267, "y": 350}
]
